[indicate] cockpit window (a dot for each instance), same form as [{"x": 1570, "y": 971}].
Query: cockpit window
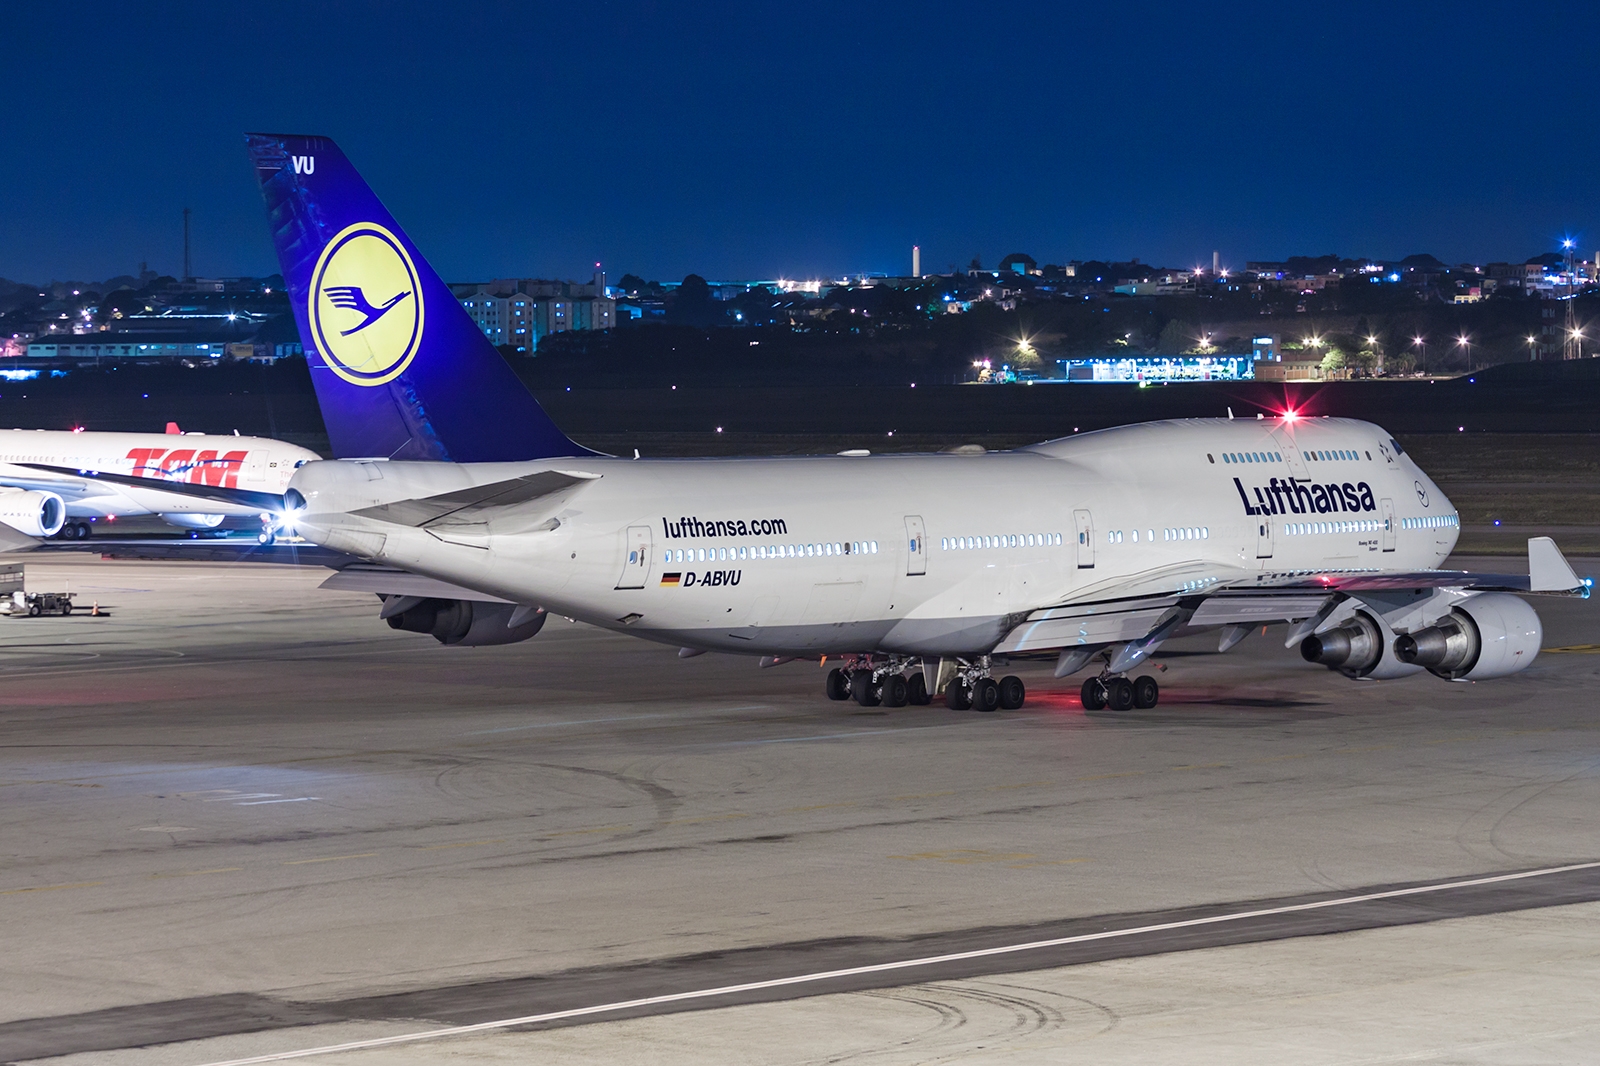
[{"x": 1396, "y": 446}]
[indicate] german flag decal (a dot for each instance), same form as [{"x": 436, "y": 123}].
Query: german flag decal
[{"x": 671, "y": 579}]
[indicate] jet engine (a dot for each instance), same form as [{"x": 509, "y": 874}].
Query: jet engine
[
  {"x": 184, "y": 520},
  {"x": 1493, "y": 634},
  {"x": 32, "y": 511},
  {"x": 466, "y": 623},
  {"x": 1360, "y": 646}
]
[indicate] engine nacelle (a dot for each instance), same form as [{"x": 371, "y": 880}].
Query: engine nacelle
[
  {"x": 1358, "y": 647},
  {"x": 1493, "y": 634},
  {"x": 32, "y": 511},
  {"x": 184, "y": 520},
  {"x": 466, "y": 623}
]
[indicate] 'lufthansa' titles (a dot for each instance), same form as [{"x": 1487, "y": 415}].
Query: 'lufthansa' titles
[{"x": 1293, "y": 496}]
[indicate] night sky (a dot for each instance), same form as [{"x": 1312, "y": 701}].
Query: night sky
[{"x": 760, "y": 140}]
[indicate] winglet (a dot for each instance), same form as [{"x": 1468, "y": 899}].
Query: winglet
[{"x": 1547, "y": 568}]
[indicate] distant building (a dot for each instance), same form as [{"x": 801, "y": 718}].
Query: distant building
[
  {"x": 517, "y": 312},
  {"x": 1157, "y": 368},
  {"x": 1018, "y": 263},
  {"x": 153, "y": 347}
]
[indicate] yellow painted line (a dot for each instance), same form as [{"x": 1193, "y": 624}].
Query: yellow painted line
[
  {"x": 51, "y": 888},
  {"x": 924, "y": 796},
  {"x": 69, "y": 784},
  {"x": 1359, "y": 751},
  {"x": 329, "y": 858},
  {"x": 706, "y": 818},
  {"x": 1283, "y": 758},
  {"x": 197, "y": 873},
  {"x": 1574, "y": 649},
  {"x": 1050, "y": 862},
  {"x": 1107, "y": 777},
  {"x": 1201, "y": 766},
  {"x": 1025, "y": 784},
  {"x": 459, "y": 844},
  {"x": 581, "y": 832},
  {"x": 817, "y": 807}
]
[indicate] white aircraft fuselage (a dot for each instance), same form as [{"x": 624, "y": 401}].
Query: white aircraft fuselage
[
  {"x": 229, "y": 462},
  {"x": 916, "y": 554}
]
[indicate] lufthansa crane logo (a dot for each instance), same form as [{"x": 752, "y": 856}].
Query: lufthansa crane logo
[{"x": 366, "y": 305}]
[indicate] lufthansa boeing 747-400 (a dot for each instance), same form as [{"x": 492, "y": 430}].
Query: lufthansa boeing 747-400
[{"x": 919, "y": 574}]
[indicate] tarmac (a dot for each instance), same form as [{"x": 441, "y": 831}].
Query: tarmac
[{"x": 241, "y": 817}]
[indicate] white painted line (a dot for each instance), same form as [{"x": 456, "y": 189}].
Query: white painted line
[
  {"x": 888, "y": 967},
  {"x": 257, "y": 803}
]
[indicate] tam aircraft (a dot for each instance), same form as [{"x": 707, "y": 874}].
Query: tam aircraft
[
  {"x": 920, "y": 575},
  {"x": 52, "y": 483}
]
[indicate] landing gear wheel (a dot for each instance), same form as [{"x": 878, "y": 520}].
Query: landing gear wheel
[
  {"x": 1093, "y": 694},
  {"x": 957, "y": 695},
  {"x": 894, "y": 690},
  {"x": 1119, "y": 694},
  {"x": 265, "y": 538},
  {"x": 1146, "y": 693},
  {"x": 1012, "y": 692},
  {"x": 917, "y": 690},
  {"x": 985, "y": 695},
  {"x": 838, "y": 685},
  {"x": 861, "y": 688},
  {"x": 68, "y": 532}
]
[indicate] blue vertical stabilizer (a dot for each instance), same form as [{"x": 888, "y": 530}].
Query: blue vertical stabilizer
[{"x": 400, "y": 370}]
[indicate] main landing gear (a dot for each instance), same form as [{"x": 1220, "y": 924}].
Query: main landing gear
[
  {"x": 896, "y": 682},
  {"x": 1119, "y": 693}
]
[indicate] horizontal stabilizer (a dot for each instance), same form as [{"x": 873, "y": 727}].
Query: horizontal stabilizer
[{"x": 462, "y": 505}]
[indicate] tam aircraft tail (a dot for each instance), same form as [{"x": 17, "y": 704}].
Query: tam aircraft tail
[{"x": 400, "y": 370}]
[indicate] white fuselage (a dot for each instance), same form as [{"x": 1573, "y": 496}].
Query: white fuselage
[
  {"x": 920, "y": 554},
  {"x": 228, "y": 462}
]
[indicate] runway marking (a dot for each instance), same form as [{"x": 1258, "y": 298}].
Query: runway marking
[
  {"x": 1204, "y": 765},
  {"x": 1574, "y": 649},
  {"x": 257, "y": 803},
  {"x": 1047, "y": 862},
  {"x": 797, "y": 740},
  {"x": 817, "y": 807},
  {"x": 1107, "y": 777},
  {"x": 51, "y": 888},
  {"x": 618, "y": 718},
  {"x": 69, "y": 784},
  {"x": 582, "y": 832},
  {"x": 330, "y": 858},
  {"x": 459, "y": 844},
  {"x": 965, "y": 856},
  {"x": 706, "y": 818},
  {"x": 890, "y": 967},
  {"x": 925, "y": 796},
  {"x": 165, "y": 829},
  {"x": 198, "y": 873}
]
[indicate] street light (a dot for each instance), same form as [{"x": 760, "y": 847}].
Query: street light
[
  {"x": 1422, "y": 343},
  {"x": 1464, "y": 341},
  {"x": 1533, "y": 347}
]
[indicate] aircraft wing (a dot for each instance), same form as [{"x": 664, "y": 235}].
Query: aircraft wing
[
  {"x": 1140, "y": 612},
  {"x": 250, "y": 498},
  {"x": 68, "y": 488}
]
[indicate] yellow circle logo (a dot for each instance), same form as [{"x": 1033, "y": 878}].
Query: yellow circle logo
[{"x": 366, "y": 305}]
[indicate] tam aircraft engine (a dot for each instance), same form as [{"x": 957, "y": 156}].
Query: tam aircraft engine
[{"x": 33, "y": 511}]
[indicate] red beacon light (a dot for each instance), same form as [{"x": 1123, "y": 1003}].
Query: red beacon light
[{"x": 1291, "y": 415}]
